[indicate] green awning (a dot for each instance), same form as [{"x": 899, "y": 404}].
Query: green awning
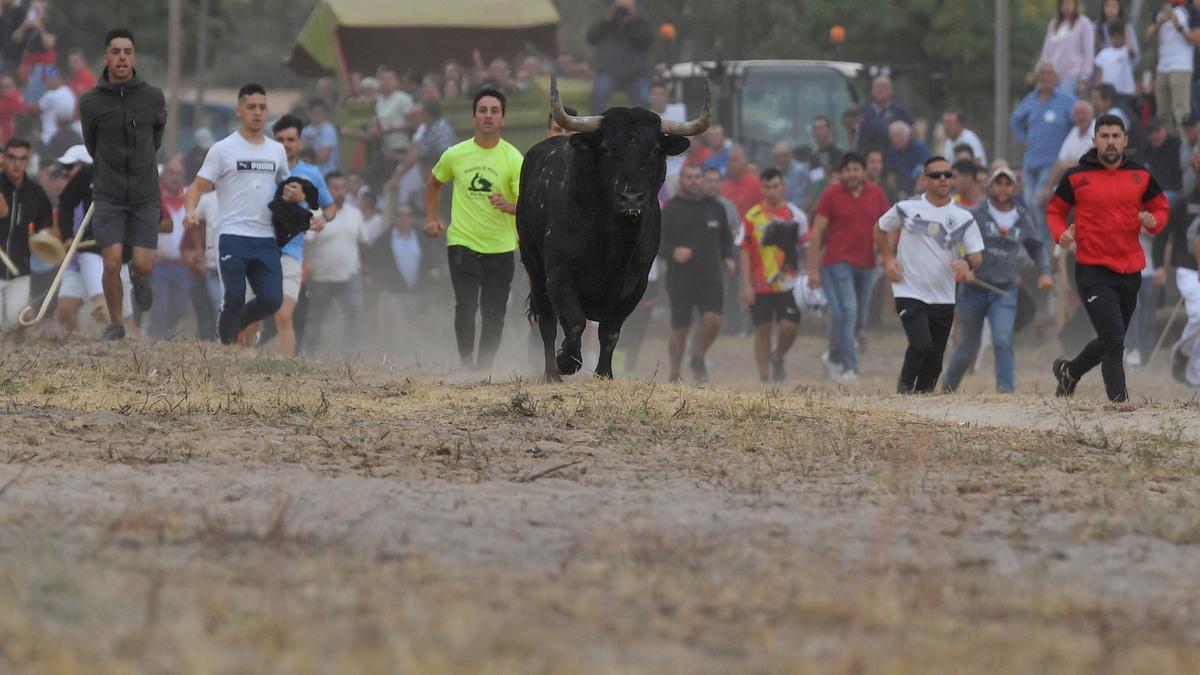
[{"x": 411, "y": 34}]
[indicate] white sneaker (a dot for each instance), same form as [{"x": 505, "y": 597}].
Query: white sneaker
[
  {"x": 832, "y": 370},
  {"x": 1133, "y": 359},
  {"x": 848, "y": 376}
]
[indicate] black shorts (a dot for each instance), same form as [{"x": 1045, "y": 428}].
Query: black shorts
[
  {"x": 120, "y": 224},
  {"x": 770, "y": 307},
  {"x": 704, "y": 295}
]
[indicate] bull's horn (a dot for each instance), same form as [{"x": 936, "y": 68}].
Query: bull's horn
[
  {"x": 692, "y": 127},
  {"x": 582, "y": 124}
]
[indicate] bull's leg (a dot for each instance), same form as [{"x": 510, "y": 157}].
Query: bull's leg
[
  {"x": 543, "y": 312},
  {"x": 573, "y": 320},
  {"x": 547, "y": 325},
  {"x": 609, "y": 333}
]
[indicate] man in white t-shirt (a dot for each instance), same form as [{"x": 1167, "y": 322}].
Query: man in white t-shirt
[
  {"x": 1176, "y": 46},
  {"x": 333, "y": 264},
  {"x": 56, "y": 104},
  {"x": 938, "y": 242},
  {"x": 954, "y": 124},
  {"x": 245, "y": 168},
  {"x": 1075, "y": 145},
  {"x": 1114, "y": 63}
]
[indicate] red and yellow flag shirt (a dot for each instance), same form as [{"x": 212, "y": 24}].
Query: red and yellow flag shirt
[{"x": 773, "y": 238}]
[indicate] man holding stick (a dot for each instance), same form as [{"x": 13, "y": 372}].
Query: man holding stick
[{"x": 991, "y": 291}]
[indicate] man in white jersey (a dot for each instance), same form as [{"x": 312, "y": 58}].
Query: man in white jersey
[
  {"x": 245, "y": 168},
  {"x": 938, "y": 242}
]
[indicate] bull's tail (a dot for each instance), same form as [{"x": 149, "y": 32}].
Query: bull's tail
[{"x": 531, "y": 312}]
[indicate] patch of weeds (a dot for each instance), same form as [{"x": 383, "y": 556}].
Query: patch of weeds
[
  {"x": 1097, "y": 438},
  {"x": 267, "y": 365},
  {"x": 11, "y": 387}
]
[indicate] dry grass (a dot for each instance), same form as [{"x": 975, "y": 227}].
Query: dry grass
[{"x": 183, "y": 508}]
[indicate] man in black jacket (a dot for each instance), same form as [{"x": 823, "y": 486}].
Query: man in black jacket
[
  {"x": 622, "y": 41},
  {"x": 24, "y": 208},
  {"x": 697, "y": 245},
  {"x": 123, "y": 120}
]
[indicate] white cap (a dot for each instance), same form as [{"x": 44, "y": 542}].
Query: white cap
[{"x": 74, "y": 155}]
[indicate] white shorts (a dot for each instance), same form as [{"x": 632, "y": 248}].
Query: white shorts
[
  {"x": 14, "y": 297},
  {"x": 87, "y": 282},
  {"x": 291, "y": 276}
]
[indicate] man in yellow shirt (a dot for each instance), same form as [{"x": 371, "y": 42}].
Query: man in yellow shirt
[{"x": 482, "y": 233}]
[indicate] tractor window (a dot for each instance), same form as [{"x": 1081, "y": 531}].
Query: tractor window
[{"x": 780, "y": 104}]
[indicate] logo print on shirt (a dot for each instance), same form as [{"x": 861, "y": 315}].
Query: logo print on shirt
[
  {"x": 256, "y": 165},
  {"x": 1083, "y": 182},
  {"x": 480, "y": 184},
  {"x": 1137, "y": 178},
  {"x": 1089, "y": 300}
]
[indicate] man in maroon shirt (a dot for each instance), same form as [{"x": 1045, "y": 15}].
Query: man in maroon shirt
[
  {"x": 1114, "y": 199},
  {"x": 741, "y": 186},
  {"x": 12, "y": 104},
  {"x": 82, "y": 77},
  {"x": 841, "y": 260}
]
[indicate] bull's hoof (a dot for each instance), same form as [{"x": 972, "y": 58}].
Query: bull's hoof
[
  {"x": 604, "y": 374},
  {"x": 553, "y": 376},
  {"x": 568, "y": 364}
]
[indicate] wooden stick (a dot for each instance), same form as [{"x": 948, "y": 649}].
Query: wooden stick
[{"x": 25, "y": 318}]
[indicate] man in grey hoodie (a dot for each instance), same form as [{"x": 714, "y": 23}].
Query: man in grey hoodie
[
  {"x": 990, "y": 292},
  {"x": 123, "y": 120}
]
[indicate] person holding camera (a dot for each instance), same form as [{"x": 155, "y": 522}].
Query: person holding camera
[{"x": 622, "y": 41}]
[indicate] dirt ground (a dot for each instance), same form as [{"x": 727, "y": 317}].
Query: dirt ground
[{"x": 185, "y": 508}]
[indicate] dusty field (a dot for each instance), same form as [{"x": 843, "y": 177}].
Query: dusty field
[{"x": 185, "y": 508}]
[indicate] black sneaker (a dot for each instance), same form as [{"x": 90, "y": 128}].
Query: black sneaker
[
  {"x": 1179, "y": 364},
  {"x": 1066, "y": 383},
  {"x": 777, "y": 372},
  {"x": 143, "y": 295},
  {"x": 699, "y": 369},
  {"x": 114, "y": 332}
]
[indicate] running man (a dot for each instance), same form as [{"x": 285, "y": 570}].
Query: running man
[
  {"x": 1114, "y": 199},
  {"x": 773, "y": 235},
  {"x": 938, "y": 241},
  {"x": 486, "y": 170},
  {"x": 123, "y": 119},
  {"x": 245, "y": 169},
  {"x": 1005, "y": 227},
  {"x": 698, "y": 248}
]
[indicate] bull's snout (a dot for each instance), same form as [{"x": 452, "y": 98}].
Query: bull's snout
[{"x": 631, "y": 202}]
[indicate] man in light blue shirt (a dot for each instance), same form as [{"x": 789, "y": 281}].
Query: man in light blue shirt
[
  {"x": 1042, "y": 121},
  {"x": 289, "y": 131},
  {"x": 797, "y": 181},
  {"x": 321, "y": 135}
]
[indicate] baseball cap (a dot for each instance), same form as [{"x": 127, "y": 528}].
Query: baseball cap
[
  {"x": 1003, "y": 171},
  {"x": 75, "y": 154}
]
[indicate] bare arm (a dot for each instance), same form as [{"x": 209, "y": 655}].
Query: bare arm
[
  {"x": 198, "y": 188},
  {"x": 815, "y": 247},
  {"x": 433, "y": 222}
]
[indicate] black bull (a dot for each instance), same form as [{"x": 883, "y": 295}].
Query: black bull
[{"x": 589, "y": 223}]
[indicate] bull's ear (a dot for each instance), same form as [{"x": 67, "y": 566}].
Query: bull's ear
[
  {"x": 674, "y": 145},
  {"x": 582, "y": 141}
]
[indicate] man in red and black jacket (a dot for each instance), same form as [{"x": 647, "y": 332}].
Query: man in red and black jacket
[{"x": 1114, "y": 200}]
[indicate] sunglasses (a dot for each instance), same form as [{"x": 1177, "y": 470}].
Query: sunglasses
[{"x": 935, "y": 175}]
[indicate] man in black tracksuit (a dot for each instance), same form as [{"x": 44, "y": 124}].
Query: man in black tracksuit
[
  {"x": 24, "y": 209},
  {"x": 123, "y": 120},
  {"x": 697, "y": 244}
]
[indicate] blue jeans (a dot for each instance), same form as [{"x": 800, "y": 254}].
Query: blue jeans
[
  {"x": 253, "y": 259},
  {"x": 848, "y": 289},
  {"x": 1140, "y": 335},
  {"x": 604, "y": 85},
  {"x": 171, "y": 281},
  {"x": 1035, "y": 180},
  {"x": 974, "y": 305}
]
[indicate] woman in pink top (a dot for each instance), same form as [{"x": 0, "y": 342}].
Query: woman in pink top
[{"x": 1070, "y": 45}]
